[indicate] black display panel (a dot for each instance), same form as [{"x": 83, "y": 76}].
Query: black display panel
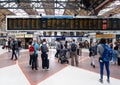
[{"x": 63, "y": 24}]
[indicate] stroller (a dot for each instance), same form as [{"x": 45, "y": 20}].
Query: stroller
[{"x": 62, "y": 58}]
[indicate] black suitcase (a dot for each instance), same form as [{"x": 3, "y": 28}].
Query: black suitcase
[{"x": 46, "y": 64}]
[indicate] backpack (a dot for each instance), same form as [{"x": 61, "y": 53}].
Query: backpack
[
  {"x": 44, "y": 48},
  {"x": 31, "y": 49},
  {"x": 92, "y": 51},
  {"x": 73, "y": 47},
  {"x": 107, "y": 54},
  {"x": 15, "y": 45}
]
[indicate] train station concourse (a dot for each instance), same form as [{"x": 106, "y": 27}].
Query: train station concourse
[
  {"x": 37, "y": 37},
  {"x": 19, "y": 72}
]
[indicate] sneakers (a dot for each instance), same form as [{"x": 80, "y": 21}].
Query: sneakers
[
  {"x": 47, "y": 69},
  {"x": 101, "y": 80},
  {"x": 92, "y": 65},
  {"x": 108, "y": 80}
]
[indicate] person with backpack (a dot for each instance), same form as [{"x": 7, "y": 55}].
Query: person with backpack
[
  {"x": 44, "y": 54},
  {"x": 73, "y": 53},
  {"x": 104, "y": 51}
]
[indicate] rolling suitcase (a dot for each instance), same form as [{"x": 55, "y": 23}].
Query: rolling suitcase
[{"x": 45, "y": 64}]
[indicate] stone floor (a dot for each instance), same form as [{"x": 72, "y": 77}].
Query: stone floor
[{"x": 43, "y": 77}]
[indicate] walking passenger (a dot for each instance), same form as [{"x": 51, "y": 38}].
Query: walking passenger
[
  {"x": 14, "y": 48},
  {"x": 92, "y": 54},
  {"x": 9, "y": 44}
]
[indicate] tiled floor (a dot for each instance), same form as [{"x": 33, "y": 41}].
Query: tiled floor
[{"x": 84, "y": 74}]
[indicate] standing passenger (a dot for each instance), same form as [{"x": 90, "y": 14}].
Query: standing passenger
[
  {"x": 115, "y": 55},
  {"x": 58, "y": 47},
  {"x": 35, "y": 58},
  {"x": 103, "y": 60},
  {"x": 73, "y": 53},
  {"x": 44, "y": 55},
  {"x": 19, "y": 47}
]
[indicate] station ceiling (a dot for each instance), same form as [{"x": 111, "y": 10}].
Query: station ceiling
[{"x": 58, "y": 7}]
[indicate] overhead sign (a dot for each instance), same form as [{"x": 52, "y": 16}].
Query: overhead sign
[
  {"x": 19, "y": 36},
  {"x": 104, "y": 36},
  {"x": 28, "y": 36}
]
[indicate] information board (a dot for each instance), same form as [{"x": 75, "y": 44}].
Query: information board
[{"x": 63, "y": 23}]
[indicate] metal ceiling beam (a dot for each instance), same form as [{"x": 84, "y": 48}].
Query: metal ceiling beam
[
  {"x": 97, "y": 9},
  {"x": 49, "y": 11},
  {"x": 46, "y": 4}
]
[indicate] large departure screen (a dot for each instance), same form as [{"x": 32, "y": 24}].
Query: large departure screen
[{"x": 63, "y": 23}]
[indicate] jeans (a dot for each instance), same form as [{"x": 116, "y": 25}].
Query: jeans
[
  {"x": 34, "y": 61},
  {"x": 14, "y": 54},
  {"x": 57, "y": 53},
  {"x": 44, "y": 58},
  {"x": 102, "y": 69},
  {"x": 18, "y": 51}
]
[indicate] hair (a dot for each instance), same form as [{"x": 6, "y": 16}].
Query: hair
[
  {"x": 30, "y": 43},
  {"x": 116, "y": 48},
  {"x": 44, "y": 40},
  {"x": 73, "y": 40},
  {"x": 103, "y": 41}
]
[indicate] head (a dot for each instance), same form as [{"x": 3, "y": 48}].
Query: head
[
  {"x": 73, "y": 40},
  {"x": 44, "y": 40},
  {"x": 35, "y": 40},
  {"x": 103, "y": 41}
]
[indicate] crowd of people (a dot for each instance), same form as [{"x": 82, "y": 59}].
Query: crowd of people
[{"x": 67, "y": 52}]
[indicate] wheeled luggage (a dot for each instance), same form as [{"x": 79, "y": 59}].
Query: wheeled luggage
[{"x": 46, "y": 64}]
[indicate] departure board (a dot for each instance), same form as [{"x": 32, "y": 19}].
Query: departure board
[{"x": 63, "y": 23}]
